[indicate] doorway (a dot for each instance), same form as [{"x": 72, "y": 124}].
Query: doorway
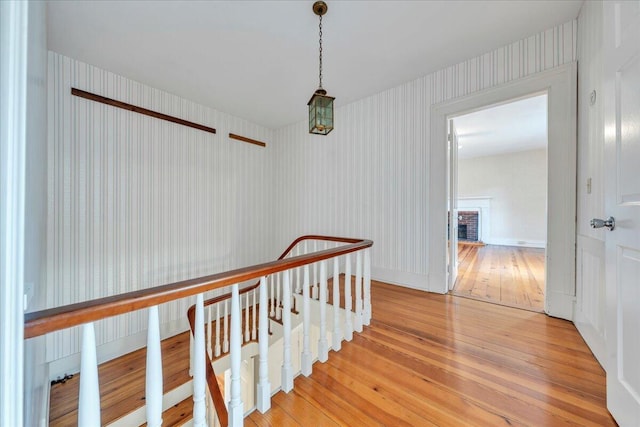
[
  {"x": 560, "y": 84},
  {"x": 498, "y": 202}
]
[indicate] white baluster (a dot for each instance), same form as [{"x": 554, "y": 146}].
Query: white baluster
[
  {"x": 357, "y": 320},
  {"x": 199, "y": 373},
  {"x": 298, "y": 282},
  {"x": 209, "y": 337},
  {"x": 348, "y": 322},
  {"x": 153, "y": 384},
  {"x": 314, "y": 294},
  {"x": 236, "y": 416},
  {"x": 306, "y": 361},
  {"x": 263, "y": 402},
  {"x": 272, "y": 299},
  {"x": 89, "y": 398},
  {"x": 323, "y": 345},
  {"x": 247, "y": 335},
  {"x": 367, "y": 287},
  {"x": 225, "y": 338},
  {"x": 216, "y": 350},
  {"x": 278, "y": 300},
  {"x": 254, "y": 331},
  {"x": 337, "y": 331},
  {"x": 287, "y": 367},
  {"x": 191, "y": 355}
]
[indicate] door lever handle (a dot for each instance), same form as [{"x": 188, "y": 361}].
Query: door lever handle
[{"x": 609, "y": 223}]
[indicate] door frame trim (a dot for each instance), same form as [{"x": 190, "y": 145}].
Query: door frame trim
[{"x": 560, "y": 84}]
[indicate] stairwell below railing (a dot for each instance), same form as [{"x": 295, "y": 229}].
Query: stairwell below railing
[
  {"x": 281, "y": 295},
  {"x": 284, "y": 285}
]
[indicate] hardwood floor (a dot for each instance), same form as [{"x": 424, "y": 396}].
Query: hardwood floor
[
  {"x": 506, "y": 275},
  {"x": 122, "y": 383},
  {"x": 426, "y": 360},
  {"x": 441, "y": 360}
]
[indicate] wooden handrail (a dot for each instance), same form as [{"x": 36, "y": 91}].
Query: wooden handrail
[
  {"x": 58, "y": 318},
  {"x": 286, "y": 252}
]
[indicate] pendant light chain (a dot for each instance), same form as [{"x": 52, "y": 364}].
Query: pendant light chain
[
  {"x": 320, "y": 105},
  {"x": 320, "y": 68}
]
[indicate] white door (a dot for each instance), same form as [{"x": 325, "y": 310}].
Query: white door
[
  {"x": 622, "y": 201},
  {"x": 453, "y": 205}
]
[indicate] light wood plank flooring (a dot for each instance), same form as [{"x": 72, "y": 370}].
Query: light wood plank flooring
[
  {"x": 441, "y": 360},
  {"x": 426, "y": 360},
  {"x": 122, "y": 383},
  {"x": 505, "y": 275}
]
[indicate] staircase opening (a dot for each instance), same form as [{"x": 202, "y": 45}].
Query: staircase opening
[{"x": 243, "y": 346}]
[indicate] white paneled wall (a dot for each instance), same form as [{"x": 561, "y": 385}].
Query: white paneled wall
[
  {"x": 590, "y": 284},
  {"x": 369, "y": 177},
  {"x": 136, "y": 202}
]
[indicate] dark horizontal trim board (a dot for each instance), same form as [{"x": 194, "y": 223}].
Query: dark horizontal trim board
[
  {"x": 125, "y": 106},
  {"x": 245, "y": 139}
]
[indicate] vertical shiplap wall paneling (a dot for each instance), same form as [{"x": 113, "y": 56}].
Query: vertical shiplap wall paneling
[
  {"x": 369, "y": 177},
  {"x": 346, "y": 183},
  {"x": 136, "y": 202},
  {"x": 534, "y": 54}
]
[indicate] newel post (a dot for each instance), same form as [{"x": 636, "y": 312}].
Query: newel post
[
  {"x": 357, "y": 322},
  {"x": 367, "y": 287}
]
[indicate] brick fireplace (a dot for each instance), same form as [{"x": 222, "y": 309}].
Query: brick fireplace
[{"x": 468, "y": 226}]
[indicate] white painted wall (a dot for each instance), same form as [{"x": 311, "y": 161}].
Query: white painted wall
[
  {"x": 516, "y": 183},
  {"x": 36, "y": 379},
  {"x": 590, "y": 283},
  {"x": 136, "y": 202},
  {"x": 370, "y": 176}
]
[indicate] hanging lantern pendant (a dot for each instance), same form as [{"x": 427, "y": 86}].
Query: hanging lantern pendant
[{"x": 320, "y": 104}]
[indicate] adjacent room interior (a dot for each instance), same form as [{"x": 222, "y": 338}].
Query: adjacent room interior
[{"x": 502, "y": 203}]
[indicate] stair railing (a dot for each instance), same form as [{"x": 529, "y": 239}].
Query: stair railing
[
  {"x": 276, "y": 294},
  {"x": 85, "y": 313}
]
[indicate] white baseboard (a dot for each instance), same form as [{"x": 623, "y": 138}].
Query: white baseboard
[
  {"x": 115, "y": 349},
  {"x": 401, "y": 278},
  {"x": 517, "y": 242},
  {"x": 594, "y": 340}
]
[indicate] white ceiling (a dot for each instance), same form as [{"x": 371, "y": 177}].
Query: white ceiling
[
  {"x": 508, "y": 128},
  {"x": 259, "y": 59}
]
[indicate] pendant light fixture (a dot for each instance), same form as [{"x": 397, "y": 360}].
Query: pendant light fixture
[{"x": 320, "y": 104}]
